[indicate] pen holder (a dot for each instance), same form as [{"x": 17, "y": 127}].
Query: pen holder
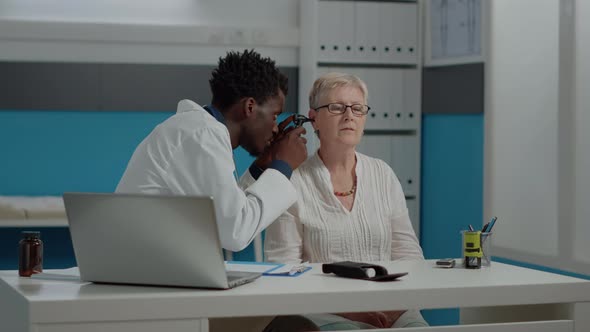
[
  {"x": 486, "y": 249},
  {"x": 477, "y": 249}
]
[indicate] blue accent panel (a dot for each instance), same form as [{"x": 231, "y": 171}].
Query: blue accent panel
[
  {"x": 439, "y": 317},
  {"x": 540, "y": 268},
  {"x": 452, "y": 181},
  {"x": 243, "y": 160},
  {"x": 48, "y": 153},
  {"x": 452, "y": 189}
]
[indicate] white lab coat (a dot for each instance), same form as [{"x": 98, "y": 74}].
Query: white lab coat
[{"x": 190, "y": 154}]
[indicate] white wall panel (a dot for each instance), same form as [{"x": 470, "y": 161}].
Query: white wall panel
[
  {"x": 176, "y": 31},
  {"x": 259, "y": 13},
  {"x": 582, "y": 133},
  {"x": 521, "y": 164}
]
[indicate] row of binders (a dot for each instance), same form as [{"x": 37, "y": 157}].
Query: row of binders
[
  {"x": 368, "y": 32},
  {"x": 394, "y": 96}
]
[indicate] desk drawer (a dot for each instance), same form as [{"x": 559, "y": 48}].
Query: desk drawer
[{"x": 541, "y": 326}]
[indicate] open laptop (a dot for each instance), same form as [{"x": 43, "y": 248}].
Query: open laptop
[{"x": 149, "y": 240}]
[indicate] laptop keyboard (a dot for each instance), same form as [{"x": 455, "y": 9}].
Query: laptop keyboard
[{"x": 235, "y": 278}]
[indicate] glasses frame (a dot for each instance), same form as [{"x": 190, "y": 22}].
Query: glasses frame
[{"x": 345, "y": 108}]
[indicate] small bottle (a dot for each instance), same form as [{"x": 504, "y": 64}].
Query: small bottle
[{"x": 30, "y": 254}]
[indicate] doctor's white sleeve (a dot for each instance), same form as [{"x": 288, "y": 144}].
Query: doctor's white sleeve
[{"x": 203, "y": 165}]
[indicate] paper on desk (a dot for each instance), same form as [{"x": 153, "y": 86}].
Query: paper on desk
[
  {"x": 258, "y": 267},
  {"x": 289, "y": 269}
]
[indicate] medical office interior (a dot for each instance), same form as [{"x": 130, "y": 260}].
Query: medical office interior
[{"x": 481, "y": 107}]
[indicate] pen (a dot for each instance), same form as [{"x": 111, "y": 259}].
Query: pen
[
  {"x": 483, "y": 230},
  {"x": 491, "y": 224},
  {"x": 471, "y": 228}
]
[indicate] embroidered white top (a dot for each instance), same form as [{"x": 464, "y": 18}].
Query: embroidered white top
[{"x": 319, "y": 229}]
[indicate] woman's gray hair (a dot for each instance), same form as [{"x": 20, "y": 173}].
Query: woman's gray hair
[{"x": 333, "y": 80}]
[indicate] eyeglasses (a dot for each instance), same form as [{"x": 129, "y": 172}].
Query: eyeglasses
[{"x": 337, "y": 108}]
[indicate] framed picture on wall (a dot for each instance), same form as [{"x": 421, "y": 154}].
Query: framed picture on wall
[{"x": 455, "y": 32}]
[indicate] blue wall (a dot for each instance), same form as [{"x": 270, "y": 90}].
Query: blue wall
[
  {"x": 48, "y": 153},
  {"x": 452, "y": 181}
]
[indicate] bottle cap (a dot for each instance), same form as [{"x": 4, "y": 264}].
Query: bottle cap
[{"x": 31, "y": 235}]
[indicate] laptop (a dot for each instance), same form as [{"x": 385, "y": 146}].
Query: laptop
[{"x": 149, "y": 240}]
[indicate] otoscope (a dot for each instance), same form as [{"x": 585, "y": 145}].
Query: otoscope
[{"x": 299, "y": 120}]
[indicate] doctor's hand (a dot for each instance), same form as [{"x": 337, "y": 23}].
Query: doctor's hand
[
  {"x": 290, "y": 147},
  {"x": 287, "y": 145}
]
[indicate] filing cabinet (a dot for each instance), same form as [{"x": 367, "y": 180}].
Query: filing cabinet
[{"x": 401, "y": 152}]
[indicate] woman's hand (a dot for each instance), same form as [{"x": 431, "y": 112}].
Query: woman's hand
[{"x": 392, "y": 316}]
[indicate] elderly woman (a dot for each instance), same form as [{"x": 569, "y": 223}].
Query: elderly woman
[{"x": 350, "y": 206}]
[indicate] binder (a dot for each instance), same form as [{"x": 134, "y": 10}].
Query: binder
[
  {"x": 336, "y": 31},
  {"x": 366, "y": 32},
  {"x": 409, "y": 32},
  {"x": 405, "y": 162},
  {"x": 395, "y": 97},
  {"x": 345, "y": 34},
  {"x": 388, "y": 33},
  {"x": 328, "y": 29},
  {"x": 410, "y": 92}
]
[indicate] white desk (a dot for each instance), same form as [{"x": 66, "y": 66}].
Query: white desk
[{"x": 491, "y": 295}]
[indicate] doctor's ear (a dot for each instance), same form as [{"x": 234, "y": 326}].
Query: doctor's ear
[{"x": 249, "y": 104}]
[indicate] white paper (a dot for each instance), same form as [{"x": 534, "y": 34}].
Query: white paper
[{"x": 289, "y": 268}]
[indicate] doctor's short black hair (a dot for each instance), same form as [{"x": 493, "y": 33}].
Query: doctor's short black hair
[{"x": 245, "y": 74}]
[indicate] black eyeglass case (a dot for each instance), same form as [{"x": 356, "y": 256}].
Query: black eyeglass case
[{"x": 356, "y": 270}]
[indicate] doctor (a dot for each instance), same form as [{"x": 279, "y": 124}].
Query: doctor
[{"x": 191, "y": 152}]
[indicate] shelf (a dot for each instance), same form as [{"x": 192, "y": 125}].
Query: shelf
[{"x": 366, "y": 65}]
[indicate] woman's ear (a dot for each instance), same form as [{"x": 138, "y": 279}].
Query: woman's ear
[{"x": 312, "y": 114}]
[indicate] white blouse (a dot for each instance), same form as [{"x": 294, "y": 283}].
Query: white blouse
[{"x": 319, "y": 229}]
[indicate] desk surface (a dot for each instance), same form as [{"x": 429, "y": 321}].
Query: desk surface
[{"x": 313, "y": 292}]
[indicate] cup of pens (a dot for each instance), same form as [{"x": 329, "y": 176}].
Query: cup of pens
[
  {"x": 486, "y": 249},
  {"x": 477, "y": 246}
]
